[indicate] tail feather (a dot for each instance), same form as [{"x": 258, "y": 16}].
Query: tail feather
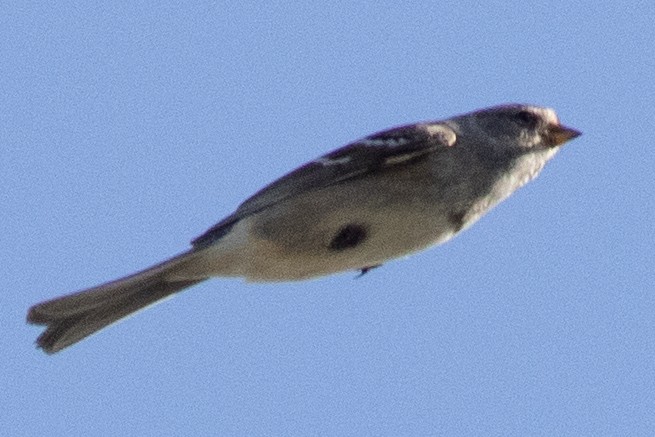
[
  {"x": 69, "y": 319},
  {"x": 69, "y": 328}
]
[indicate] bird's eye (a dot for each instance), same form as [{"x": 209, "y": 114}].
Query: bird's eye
[{"x": 527, "y": 118}]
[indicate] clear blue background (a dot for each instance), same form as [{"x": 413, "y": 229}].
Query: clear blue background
[{"x": 128, "y": 128}]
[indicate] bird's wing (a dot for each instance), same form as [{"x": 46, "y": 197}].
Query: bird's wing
[{"x": 376, "y": 152}]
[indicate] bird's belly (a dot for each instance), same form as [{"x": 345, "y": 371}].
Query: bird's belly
[{"x": 339, "y": 231}]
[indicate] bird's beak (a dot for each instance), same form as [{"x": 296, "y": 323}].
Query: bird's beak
[{"x": 556, "y": 134}]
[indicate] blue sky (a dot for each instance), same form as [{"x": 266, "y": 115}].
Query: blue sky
[{"x": 129, "y": 128}]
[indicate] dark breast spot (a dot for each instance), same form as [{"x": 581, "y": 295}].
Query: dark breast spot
[
  {"x": 456, "y": 219},
  {"x": 348, "y": 236}
]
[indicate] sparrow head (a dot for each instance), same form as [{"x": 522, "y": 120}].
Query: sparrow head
[{"x": 517, "y": 126}]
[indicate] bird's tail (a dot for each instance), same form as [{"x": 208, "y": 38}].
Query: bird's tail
[{"x": 69, "y": 319}]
